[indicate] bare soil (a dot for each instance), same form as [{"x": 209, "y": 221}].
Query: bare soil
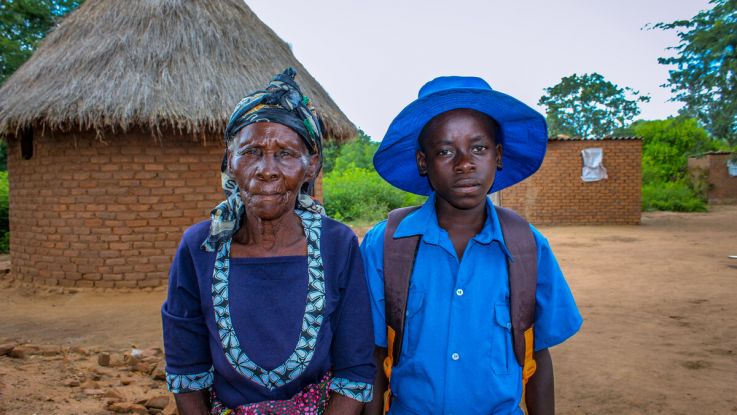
[{"x": 660, "y": 334}]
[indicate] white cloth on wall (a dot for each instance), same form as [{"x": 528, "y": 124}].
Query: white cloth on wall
[
  {"x": 593, "y": 167},
  {"x": 732, "y": 168}
]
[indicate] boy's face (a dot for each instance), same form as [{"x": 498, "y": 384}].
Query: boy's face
[{"x": 459, "y": 155}]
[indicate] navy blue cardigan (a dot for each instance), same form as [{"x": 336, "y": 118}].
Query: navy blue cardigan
[{"x": 267, "y": 298}]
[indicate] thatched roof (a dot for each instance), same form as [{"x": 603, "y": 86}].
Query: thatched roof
[{"x": 158, "y": 64}]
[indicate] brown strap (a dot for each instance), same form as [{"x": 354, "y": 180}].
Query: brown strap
[
  {"x": 522, "y": 276},
  {"x": 399, "y": 259}
]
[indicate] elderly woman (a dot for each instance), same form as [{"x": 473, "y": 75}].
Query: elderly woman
[{"x": 267, "y": 309}]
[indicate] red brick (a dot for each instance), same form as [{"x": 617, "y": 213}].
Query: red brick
[
  {"x": 93, "y": 198},
  {"x": 153, "y": 167},
  {"x": 150, "y": 282},
  {"x": 112, "y": 277},
  {"x": 556, "y": 194}
]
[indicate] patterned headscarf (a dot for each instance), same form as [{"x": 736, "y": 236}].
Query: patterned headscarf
[{"x": 282, "y": 102}]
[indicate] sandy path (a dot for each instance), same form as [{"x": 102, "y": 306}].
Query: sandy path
[{"x": 659, "y": 302}]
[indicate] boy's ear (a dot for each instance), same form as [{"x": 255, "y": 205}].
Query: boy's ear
[
  {"x": 421, "y": 163},
  {"x": 499, "y": 157}
]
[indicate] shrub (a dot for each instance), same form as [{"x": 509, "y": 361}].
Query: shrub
[
  {"x": 357, "y": 152},
  {"x": 665, "y": 150},
  {"x": 667, "y": 145},
  {"x": 352, "y": 190},
  {"x": 360, "y": 194},
  {"x": 675, "y": 196}
]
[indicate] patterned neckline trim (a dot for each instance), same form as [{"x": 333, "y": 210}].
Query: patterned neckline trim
[{"x": 302, "y": 355}]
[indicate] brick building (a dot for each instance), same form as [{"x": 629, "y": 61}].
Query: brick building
[
  {"x": 556, "y": 194},
  {"x": 114, "y": 133},
  {"x": 713, "y": 168}
]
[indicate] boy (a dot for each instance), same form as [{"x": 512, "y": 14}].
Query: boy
[{"x": 460, "y": 348}]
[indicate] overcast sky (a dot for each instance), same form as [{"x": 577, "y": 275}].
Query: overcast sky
[{"x": 373, "y": 56}]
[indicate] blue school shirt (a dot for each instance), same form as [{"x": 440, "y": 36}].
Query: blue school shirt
[
  {"x": 268, "y": 298},
  {"x": 457, "y": 355}
]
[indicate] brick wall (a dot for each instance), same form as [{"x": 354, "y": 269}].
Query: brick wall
[
  {"x": 557, "y": 195},
  {"x": 722, "y": 186},
  {"x": 92, "y": 213}
]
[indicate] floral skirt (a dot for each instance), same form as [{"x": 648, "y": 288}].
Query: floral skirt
[{"x": 312, "y": 400}]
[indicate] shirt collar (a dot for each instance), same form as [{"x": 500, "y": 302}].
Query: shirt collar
[{"x": 424, "y": 221}]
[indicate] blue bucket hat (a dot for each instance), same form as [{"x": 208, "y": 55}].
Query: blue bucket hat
[{"x": 522, "y": 132}]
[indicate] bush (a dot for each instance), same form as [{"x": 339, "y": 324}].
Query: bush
[
  {"x": 352, "y": 190},
  {"x": 667, "y": 144},
  {"x": 358, "y": 152},
  {"x": 675, "y": 196},
  {"x": 4, "y": 228},
  {"x": 360, "y": 194}
]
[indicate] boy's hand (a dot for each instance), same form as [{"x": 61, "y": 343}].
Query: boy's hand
[
  {"x": 540, "y": 394},
  {"x": 381, "y": 384}
]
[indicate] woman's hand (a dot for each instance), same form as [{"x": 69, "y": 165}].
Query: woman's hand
[
  {"x": 343, "y": 405},
  {"x": 193, "y": 403}
]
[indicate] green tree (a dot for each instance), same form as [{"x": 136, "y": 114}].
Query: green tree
[
  {"x": 667, "y": 144},
  {"x": 705, "y": 74},
  {"x": 357, "y": 153},
  {"x": 23, "y": 24},
  {"x": 589, "y": 106},
  {"x": 353, "y": 191},
  {"x": 665, "y": 150}
]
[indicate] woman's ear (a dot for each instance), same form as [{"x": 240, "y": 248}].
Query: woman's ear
[
  {"x": 227, "y": 160},
  {"x": 421, "y": 163},
  {"x": 313, "y": 167}
]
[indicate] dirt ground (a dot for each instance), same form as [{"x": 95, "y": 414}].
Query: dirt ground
[{"x": 660, "y": 334}]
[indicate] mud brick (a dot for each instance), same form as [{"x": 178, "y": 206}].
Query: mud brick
[
  {"x": 557, "y": 195},
  {"x": 89, "y": 194}
]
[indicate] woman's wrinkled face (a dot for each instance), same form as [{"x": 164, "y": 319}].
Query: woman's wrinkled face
[{"x": 270, "y": 162}]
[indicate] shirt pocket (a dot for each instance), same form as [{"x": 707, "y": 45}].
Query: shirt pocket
[
  {"x": 501, "y": 341},
  {"x": 413, "y": 322}
]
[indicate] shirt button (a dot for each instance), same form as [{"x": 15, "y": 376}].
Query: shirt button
[
  {"x": 459, "y": 292},
  {"x": 455, "y": 356}
]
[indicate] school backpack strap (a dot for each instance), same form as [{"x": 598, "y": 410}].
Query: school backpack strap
[
  {"x": 399, "y": 259},
  {"x": 521, "y": 244}
]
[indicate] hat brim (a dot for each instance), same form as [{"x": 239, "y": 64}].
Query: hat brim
[{"x": 524, "y": 137}]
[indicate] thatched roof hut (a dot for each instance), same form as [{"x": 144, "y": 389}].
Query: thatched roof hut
[
  {"x": 95, "y": 201},
  {"x": 154, "y": 64}
]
